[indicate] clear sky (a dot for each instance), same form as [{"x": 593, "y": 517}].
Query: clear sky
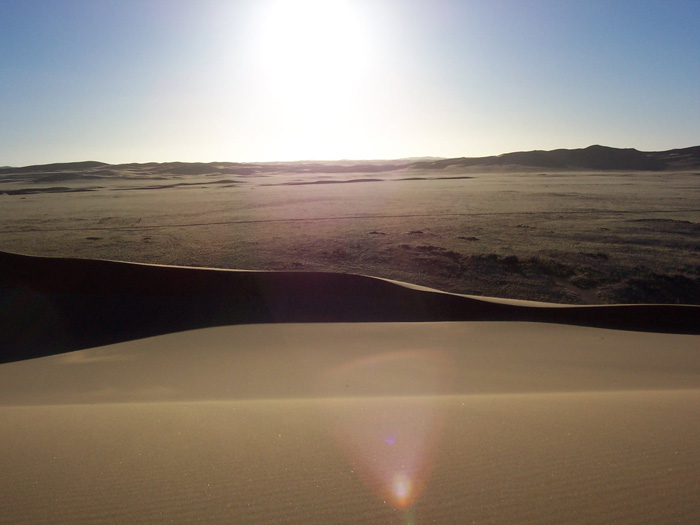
[{"x": 262, "y": 80}]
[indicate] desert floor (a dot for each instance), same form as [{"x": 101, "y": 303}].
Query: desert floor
[{"x": 571, "y": 237}]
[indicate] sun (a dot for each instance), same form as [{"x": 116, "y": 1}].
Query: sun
[
  {"x": 314, "y": 58},
  {"x": 313, "y": 38}
]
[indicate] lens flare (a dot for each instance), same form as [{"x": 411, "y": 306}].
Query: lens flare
[
  {"x": 390, "y": 428},
  {"x": 401, "y": 488}
]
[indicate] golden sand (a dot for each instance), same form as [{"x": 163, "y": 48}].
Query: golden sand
[{"x": 485, "y": 422}]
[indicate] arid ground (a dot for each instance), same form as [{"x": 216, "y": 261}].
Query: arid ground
[{"x": 569, "y": 236}]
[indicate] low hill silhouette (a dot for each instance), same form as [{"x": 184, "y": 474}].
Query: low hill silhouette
[{"x": 594, "y": 157}]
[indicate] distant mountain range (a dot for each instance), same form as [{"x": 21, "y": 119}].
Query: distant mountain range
[{"x": 590, "y": 158}]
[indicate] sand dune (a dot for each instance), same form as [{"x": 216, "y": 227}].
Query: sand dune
[
  {"x": 452, "y": 409},
  {"x": 282, "y": 361},
  {"x": 626, "y": 457},
  {"x": 87, "y": 303},
  {"x": 366, "y": 422}
]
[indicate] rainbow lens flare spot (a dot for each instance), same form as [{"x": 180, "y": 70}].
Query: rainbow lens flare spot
[
  {"x": 401, "y": 488},
  {"x": 391, "y": 426}
]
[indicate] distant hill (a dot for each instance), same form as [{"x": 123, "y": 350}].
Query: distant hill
[
  {"x": 591, "y": 158},
  {"x": 56, "y": 167}
]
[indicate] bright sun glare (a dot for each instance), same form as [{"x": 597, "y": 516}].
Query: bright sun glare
[{"x": 314, "y": 58}]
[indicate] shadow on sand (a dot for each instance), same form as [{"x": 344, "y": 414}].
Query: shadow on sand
[{"x": 54, "y": 305}]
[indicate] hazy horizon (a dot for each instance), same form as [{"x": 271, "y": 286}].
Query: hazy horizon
[
  {"x": 319, "y": 160},
  {"x": 275, "y": 80}
]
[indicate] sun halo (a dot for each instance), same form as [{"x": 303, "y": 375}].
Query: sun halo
[{"x": 315, "y": 64}]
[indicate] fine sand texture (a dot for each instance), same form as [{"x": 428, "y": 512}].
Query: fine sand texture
[
  {"x": 279, "y": 397},
  {"x": 452, "y": 422}
]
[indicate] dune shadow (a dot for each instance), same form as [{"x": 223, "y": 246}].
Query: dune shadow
[{"x": 54, "y": 305}]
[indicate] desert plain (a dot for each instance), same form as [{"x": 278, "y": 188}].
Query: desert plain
[
  {"x": 572, "y": 236},
  {"x": 477, "y": 408}
]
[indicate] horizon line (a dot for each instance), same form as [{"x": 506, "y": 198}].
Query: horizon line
[{"x": 414, "y": 158}]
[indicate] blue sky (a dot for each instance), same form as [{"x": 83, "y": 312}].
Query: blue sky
[{"x": 262, "y": 80}]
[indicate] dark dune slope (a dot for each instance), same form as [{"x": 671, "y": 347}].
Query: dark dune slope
[{"x": 51, "y": 305}]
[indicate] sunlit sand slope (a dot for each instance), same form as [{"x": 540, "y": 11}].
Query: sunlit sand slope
[
  {"x": 622, "y": 457},
  {"x": 51, "y": 305},
  {"x": 309, "y": 360},
  {"x": 490, "y": 422}
]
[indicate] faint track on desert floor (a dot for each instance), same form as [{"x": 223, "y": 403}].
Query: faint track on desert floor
[{"x": 355, "y": 217}]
